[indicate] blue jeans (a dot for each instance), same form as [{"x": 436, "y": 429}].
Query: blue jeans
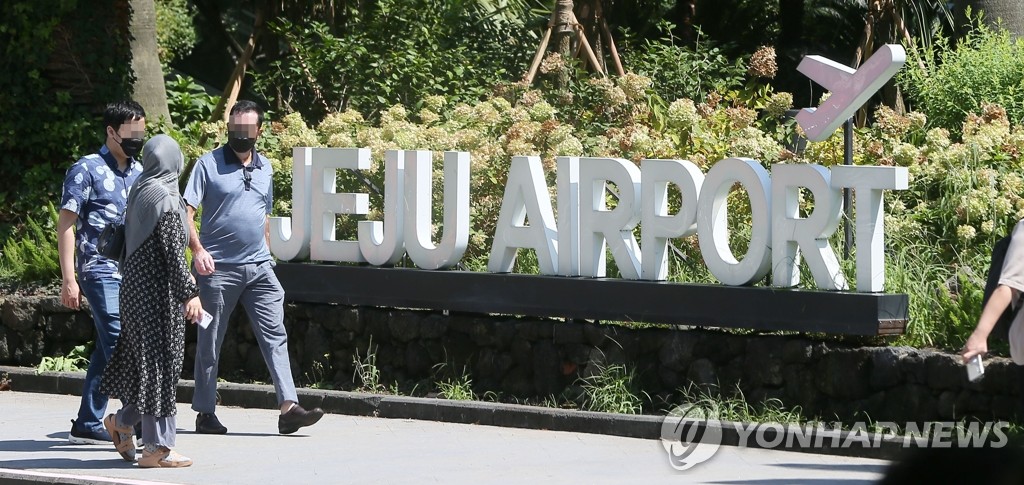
[{"x": 102, "y": 294}]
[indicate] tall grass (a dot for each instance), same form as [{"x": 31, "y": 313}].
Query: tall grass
[
  {"x": 945, "y": 299},
  {"x": 366, "y": 373},
  {"x": 611, "y": 390},
  {"x": 707, "y": 403}
]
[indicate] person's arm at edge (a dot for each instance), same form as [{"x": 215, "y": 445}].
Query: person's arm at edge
[
  {"x": 977, "y": 343},
  {"x": 200, "y": 257},
  {"x": 270, "y": 209},
  {"x": 193, "y": 196},
  {"x": 70, "y": 294}
]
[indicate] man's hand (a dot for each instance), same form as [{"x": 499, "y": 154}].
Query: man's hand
[
  {"x": 70, "y": 295},
  {"x": 203, "y": 262},
  {"x": 975, "y": 345}
]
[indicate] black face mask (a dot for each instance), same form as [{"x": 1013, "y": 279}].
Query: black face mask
[
  {"x": 131, "y": 146},
  {"x": 241, "y": 145}
]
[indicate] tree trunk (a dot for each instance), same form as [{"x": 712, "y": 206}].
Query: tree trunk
[
  {"x": 1010, "y": 13},
  {"x": 148, "y": 86},
  {"x": 563, "y": 32}
]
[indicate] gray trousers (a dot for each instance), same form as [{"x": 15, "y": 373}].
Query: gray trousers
[
  {"x": 255, "y": 286},
  {"x": 155, "y": 431}
]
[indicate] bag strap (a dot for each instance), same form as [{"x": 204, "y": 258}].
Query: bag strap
[{"x": 124, "y": 183}]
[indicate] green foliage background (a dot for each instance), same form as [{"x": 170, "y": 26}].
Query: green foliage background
[
  {"x": 32, "y": 256},
  {"x": 176, "y": 34},
  {"x": 441, "y": 48},
  {"x": 62, "y": 61},
  {"x": 444, "y": 82},
  {"x": 985, "y": 66}
]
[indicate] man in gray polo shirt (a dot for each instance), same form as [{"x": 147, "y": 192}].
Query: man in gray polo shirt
[{"x": 234, "y": 186}]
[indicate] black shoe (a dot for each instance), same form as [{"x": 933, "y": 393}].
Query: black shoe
[
  {"x": 88, "y": 436},
  {"x": 296, "y": 418},
  {"x": 209, "y": 424},
  {"x": 138, "y": 432}
]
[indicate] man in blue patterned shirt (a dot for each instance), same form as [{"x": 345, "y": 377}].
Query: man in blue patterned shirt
[{"x": 95, "y": 194}]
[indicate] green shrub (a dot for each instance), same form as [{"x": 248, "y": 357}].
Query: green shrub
[
  {"x": 985, "y": 67},
  {"x": 963, "y": 197},
  {"x": 76, "y": 361},
  {"x": 683, "y": 72},
  {"x": 175, "y": 34},
  {"x": 31, "y": 256},
  {"x": 188, "y": 102},
  {"x": 368, "y": 64}
]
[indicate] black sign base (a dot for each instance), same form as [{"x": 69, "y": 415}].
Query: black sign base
[{"x": 755, "y": 308}]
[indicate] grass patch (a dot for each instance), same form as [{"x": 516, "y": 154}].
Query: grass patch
[
  {"x": 318, "y": 377},
  {"x": 705, "y": 404},
  {"x": 366, "y": 374},
  {"x": 611, "y": 390}
]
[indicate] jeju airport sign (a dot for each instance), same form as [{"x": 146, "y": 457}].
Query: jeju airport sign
[{"x": 577, "y": 241}]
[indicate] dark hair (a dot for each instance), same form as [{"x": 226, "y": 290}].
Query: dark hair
[
  {"x": 121, "y": 111},
  {"x": 246, "y": 106}
]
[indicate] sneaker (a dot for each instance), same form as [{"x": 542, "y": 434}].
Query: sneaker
[
  {"x": 162, "y": 457},
  {"x": 88, "y": 436},
  {"x": 207, "y": 423},
  {"x": 296, "y": 417}
]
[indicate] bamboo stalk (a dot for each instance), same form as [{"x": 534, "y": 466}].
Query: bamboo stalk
[
  {"x": 611, "y": 46},
  {"x": 528, "y": 79},
  {"x": 586, "y": 46}
]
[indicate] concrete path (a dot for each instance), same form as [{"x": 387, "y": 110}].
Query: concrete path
[{"x": 352, "y": 449}]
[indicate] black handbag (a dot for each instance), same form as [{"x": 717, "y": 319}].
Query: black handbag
[{"x": 111, "y": 241}]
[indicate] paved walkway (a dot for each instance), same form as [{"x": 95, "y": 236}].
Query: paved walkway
[{"x": 350, "y": 449}]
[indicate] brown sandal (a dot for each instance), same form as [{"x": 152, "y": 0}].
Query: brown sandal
[
  {"x": 163, "y": 457},
  {"x": 123, "y": 438}
]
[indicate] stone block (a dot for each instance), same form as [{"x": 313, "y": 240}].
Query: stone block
[
  {"x": 20, "y": 314},
  {"x": 885, "y": 367},
  {"x": 843, "y": 374},
  {"x": 676, "y": 351}
]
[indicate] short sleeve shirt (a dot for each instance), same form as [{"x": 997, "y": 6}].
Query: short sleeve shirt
[
  {"x": 236, "y": 201},
  {"x": 97, "y": 191}
]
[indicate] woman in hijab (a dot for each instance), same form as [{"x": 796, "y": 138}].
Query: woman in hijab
[{"x": 158, "y": 294}]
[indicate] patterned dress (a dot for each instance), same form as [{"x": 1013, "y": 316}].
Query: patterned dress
[{"x": 147, "y": 359}]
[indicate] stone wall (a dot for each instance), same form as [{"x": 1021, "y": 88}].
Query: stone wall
[{"x": 520, "y": 358}]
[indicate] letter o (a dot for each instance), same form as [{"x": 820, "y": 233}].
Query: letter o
[{"x": 712, "y": 221}]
